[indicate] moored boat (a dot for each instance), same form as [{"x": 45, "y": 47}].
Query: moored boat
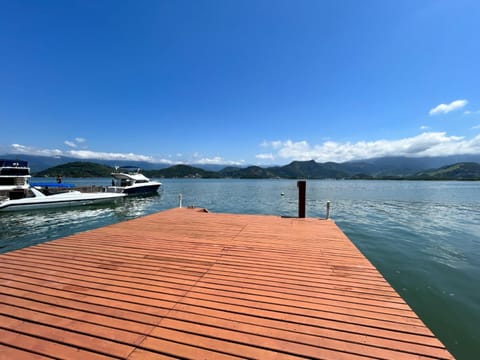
[
  {"x": 14, "y": 178},
  {"x": 16, "y": 192},
  {"x": 129, "y": 180},
  {"x": 38, "y": 200}
]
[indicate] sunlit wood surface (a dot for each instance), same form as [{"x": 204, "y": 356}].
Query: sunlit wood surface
[{"x": 189, "y": 284}]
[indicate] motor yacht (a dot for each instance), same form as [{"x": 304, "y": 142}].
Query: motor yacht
[
  {"x": 16, "y": 193},
  {"x": 129, "y": 180},
  {"x": 14, "y": 178},
  {"x": 38, "y": 200}
]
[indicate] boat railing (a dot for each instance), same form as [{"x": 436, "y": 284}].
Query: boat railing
[{"x": 114, "y": 189}]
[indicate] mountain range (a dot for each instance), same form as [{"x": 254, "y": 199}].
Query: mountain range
[
  {"x": 453, "y": 167},
  {"x": 384, "y": 166}
]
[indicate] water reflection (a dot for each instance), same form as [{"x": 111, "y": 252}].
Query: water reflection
[{"x": 137, "y": 206}]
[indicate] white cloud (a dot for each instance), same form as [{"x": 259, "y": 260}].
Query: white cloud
[
  {"x": 273, "y": 144},
  {"x": 446, "y": 108},
  {"x": 70, "y": 143},
  {"x": 80, "y": 154},
  {"x": 98, "y": 155},
  {"x": 425, "y": 144},
  {"x": 88, "y": 154},
  {"x": 22, "y": 149},
  {"x": 268, "y": 156},
  {"x": 469, "y": 112},
  {"x": 424, "y": 127},
  {"x": 217, "y": 160},
  {"x": 167, "y": 161},
  {"x": 476, "y": 126},
  {"x": 75, "y": 143}
]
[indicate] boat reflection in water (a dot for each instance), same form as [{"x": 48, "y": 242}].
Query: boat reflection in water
[{"x": 139, "y": 205}]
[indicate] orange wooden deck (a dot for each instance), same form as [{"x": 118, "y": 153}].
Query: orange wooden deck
[{"x": 189, "y": 284}]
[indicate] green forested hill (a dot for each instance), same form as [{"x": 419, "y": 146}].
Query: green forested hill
[
  {"x": 459, "y": 171},
  {"x": 77, "y": 169},
  {"x": 182, "y": 171},
  {"x": 311, "y": 170},
  {"x": 251, "y": 172},
  {"x": 294, "y": 170}
]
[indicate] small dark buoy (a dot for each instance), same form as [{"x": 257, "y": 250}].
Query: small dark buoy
[{"x": 282, "y": 194}]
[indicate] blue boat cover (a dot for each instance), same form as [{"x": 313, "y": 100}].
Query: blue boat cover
[{"x": 52, "y": 184}]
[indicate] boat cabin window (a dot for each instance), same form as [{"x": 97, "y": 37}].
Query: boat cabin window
[
  {"x": 12, "y": 181},
  {"x": 124, "y": 182},
  {"x": 7, "y": 181},
  {"x": 14, "y": 171}
]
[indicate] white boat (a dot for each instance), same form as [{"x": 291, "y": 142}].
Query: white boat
[
  {"x": 129, "y": 180},
  {"x": 38, "y": 200},
  {"x": 16, "y": 192},
  {"x": 14, "y": 178}
]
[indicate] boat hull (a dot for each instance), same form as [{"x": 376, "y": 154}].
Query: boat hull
[
  {"x": 129, "y": 180},
  {"x": 143, "y": 189},
  {"x": 58, "y": 201}
]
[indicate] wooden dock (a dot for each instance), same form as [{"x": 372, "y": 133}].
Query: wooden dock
[{"x": 189, "y": 284}]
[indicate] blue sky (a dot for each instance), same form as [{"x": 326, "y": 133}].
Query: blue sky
[{"x": 240, "y": 82}]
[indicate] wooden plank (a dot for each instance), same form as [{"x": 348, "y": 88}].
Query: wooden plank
[
  {"x": 9, "y": 353},
  {"x": 32, "y": 347},
  {"x": 308, "y": 334},
  {"x": 248, "y": 343},
  {"x": 141, "y": 354},
  {"x": 87, "y": 304},
  {"x": 188, "y": 284},
  {"x": 56, "y": 336}
]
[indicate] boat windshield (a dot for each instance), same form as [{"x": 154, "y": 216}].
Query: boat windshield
[
  {"x": 128, "y": 169},
  {"x": 122, "y": 182},
  {"x": 9, "y": 171},
  {"x": 13, "y": 181}
]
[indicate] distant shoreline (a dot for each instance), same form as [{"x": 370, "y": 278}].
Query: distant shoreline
[
  {"x": 293, "y": 179},
  {"x": 310, "y": 170}
]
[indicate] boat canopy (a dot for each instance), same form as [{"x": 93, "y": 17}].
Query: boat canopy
[
  {"x": 52, "y": 185},
  {"x": 128, "y": 169}
]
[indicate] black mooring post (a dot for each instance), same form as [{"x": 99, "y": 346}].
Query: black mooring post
[{"x": 302, "y": 190}]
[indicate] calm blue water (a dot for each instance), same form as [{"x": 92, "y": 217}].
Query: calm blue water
[{"x": 423, "y": 236}]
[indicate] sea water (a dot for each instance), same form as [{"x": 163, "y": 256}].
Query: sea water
[{"x": 424, "y": 237}]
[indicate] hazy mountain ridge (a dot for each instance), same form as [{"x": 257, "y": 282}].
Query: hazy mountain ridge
[
  {"x": 385, "y": 166},
  {"x": 294, "y": 170},
  {"x": 458, "y": 171},
  {"x": 404, "y": 166}
]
